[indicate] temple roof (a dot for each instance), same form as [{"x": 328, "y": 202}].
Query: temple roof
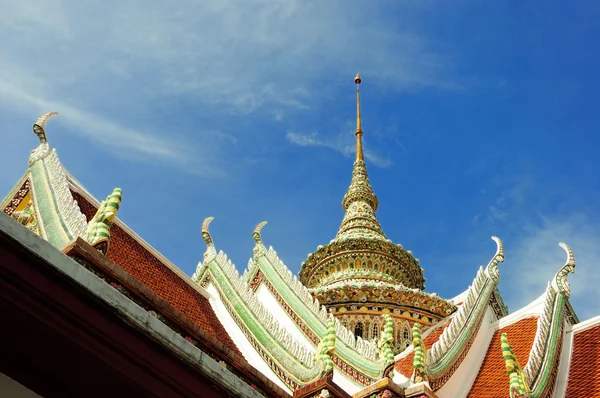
[{"x": 140, "y": 263}]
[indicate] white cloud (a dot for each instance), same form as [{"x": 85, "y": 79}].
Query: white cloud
[
  {"x": 241, "y": 54},
  {"x": 92, "y": 126},
  {"x": 130, "y": 58},
  {"x": 342, "y": 143},
  {"x": 534, "y": 257}
]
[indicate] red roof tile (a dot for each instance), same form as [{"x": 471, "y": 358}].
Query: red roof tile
[
  {"x": 132, "y": 257},
  {"x": 492, "y": 380},
  {"x": 405, "y": 365},
  {"x": 584, "y": 373}
]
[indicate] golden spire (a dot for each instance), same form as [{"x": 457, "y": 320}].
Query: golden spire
[
  {"x": 359, "y": 132},
  {"x": 360, "y": 219}
]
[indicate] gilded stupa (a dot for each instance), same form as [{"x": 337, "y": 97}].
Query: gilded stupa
[{"x": 362, "y": 274}]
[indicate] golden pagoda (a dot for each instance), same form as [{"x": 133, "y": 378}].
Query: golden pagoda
[{"x": 362, "y": 274}]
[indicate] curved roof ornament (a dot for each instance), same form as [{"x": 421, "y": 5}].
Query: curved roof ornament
[
  {"x": 39, "y": 128},
  {"x": 492, "y": 268},
  {"x": 210, "y": 246},
  {"x": 560, "y": 282},
  {"x": 256, "y": 233},
  {"x": 257, "y": 238}
]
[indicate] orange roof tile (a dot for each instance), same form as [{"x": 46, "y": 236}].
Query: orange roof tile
[
  {"x": 405, "y": 365},
  {"x": 132, "y": 257},
  {"x": 492, "y": 380},
  {"x": 584, "y": 376}
]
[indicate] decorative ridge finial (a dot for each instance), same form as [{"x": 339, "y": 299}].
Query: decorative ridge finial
[
  {"x": 99, "y": 226},
  {"x": 326, "y": 349},
  {"x": 39, "y": 127},
  {"x": 257, "y": 238},
  {"x": 385, "y": 341},
  {"x": 492, "y": 267},
  {"x": 518, "y": 386},
  {"x": 359, "y": 150},
  {"x": 210, "y": 246},
  {"x": 560, "y": 282},
  {"x": 420, "y": 355},
  {"x": 256, "y": 233}
]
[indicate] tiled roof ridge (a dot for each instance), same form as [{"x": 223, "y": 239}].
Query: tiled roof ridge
[
  {"x": 587, "y": 324},
  {"x": 150, "y": 301},
  {"x": 492, "y": 379},
  {"x": 353, "y": 356},
  {"x": 76, "y": 186},
  {"x": 445, "y": 354},
  {"x": 582, "y": 376},
  {"x": 425, "y": 335},
  {"x": 293, "y": 362},
  {"x": 542, "y": 367},
  {"x": 141, "y": 264},
  {"x": 363, "y": 347}
]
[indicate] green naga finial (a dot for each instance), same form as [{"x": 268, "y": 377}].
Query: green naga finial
[
  {"x": 386, "y": 339},
  {"x": 518, "y": 382},
  {"x": 420, "y": 354},
  {"x": 326, "y": 348},
  {"x": 259, "y": 245},
  {"x": 99, "y": 226}
]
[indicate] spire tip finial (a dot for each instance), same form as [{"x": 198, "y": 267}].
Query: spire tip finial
[{"x": 359, "y": 132}]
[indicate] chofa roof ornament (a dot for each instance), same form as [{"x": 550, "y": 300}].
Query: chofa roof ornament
[
  {"x": 211, "y": 251},
  {"x": 492, "y": 267},
  {"x": 99, "y": 226},
  {"x": 560, "y": 282},
  {"x": 39, "y": 129},
  {"x": 518, "y": 386},
  {"x": 257, "y": 238}
]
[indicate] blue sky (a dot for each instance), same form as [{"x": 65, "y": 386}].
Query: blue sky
[{"x": 480, "y": 118}]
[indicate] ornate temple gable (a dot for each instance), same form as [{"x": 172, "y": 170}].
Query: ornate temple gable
[
  {"x": 52, "y": 212},
  {"x": 542, "y": 368},
  {"x": 536, "y": 334},
  {"x": 447, "y": 353},
  {"x": 266, "y": 269},
  {"x": 130, "y": 250},
  {"x": 295, "y": 295},
  {"x": 19, "y": 205},
  {"x": 293, "y": 363}
]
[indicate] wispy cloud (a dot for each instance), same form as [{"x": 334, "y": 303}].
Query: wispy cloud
[
  {"x": 340, "y": 143},
  {"x": 93, "y": 127},
  {"x": 124, "y": 60},
  {"x": 532, "y": 214}
]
